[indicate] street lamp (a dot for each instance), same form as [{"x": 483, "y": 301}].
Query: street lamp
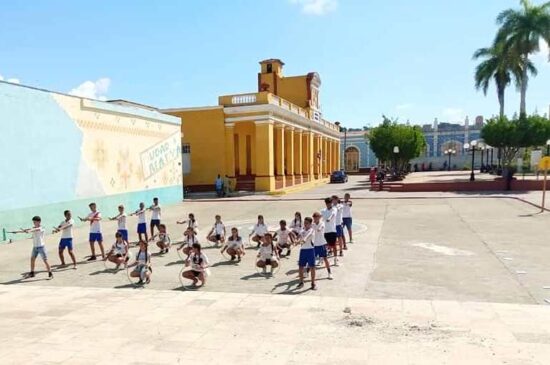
[
  {"x": 482, "y": 148},
  {"x": 471, "y": 146},
  {"x": 548, "y": 148},
  {"x": 449, "y": 153},
  {"x": 395, "y": 153}
]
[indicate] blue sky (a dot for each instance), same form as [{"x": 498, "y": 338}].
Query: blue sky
[{"x": 406, "y": 59}]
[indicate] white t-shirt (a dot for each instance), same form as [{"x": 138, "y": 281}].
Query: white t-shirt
[
  {"x": 141, "y": 216},
  {"x": 234, "y": 242},
  {"x": 192, "y": 224},
  {"x": 282, "y": 236},
  {"x": 296, "y": 225},
  {"x": 318, "y": 233},
  {"x": 141, "y": 258},
  {"x": 329, "y": 219},
  {"x": 66, "y": 228},
  {"x": 164, "y": 237},
  {"x": 37, "y": 236},
  {"x": 307, "y": 236},
  {"x": 155, "y": 212},
  {"x": 260, "y": 229},
  {"x": 266, "y": 252},
  {"x": 198, "y": 261},
  {"x": 190, "y": 240},
  {"x": 346, "y": 210},
  {"x": 121, "y": 221},
  {"x": 219, "y": 228},
  {"x": 119, "y": 248},
  {"x": 339, "y": 219},
  {"x": 95, "y": 225}
]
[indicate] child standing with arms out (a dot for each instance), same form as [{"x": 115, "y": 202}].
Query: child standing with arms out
[
  {"x": 95, "y": 231},
  {"x": 318, "y": 227},
  {"x": 142, "y": 222},
  {"x": 155, "y": 215},
  {"x": 234, "y": 246},
  {"x": 163, "y": 239},
  {"x": 121, "y": 224},
  {"x": 329, "y": 219},
  {"x": 346, "y": 217},
  {"x": 66, "y": 242},
  {"x": 307, "y": 254},
  {"x": 283, "y": 237},
  {"x": 38, "y": 246},
  {"x": 217, "y": 233}
]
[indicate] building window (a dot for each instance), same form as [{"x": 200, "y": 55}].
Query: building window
[
  {"x": 269, "y": 68},
  {"x": 185, "y": 148}
]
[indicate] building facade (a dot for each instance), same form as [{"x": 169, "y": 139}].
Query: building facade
[
  {"x": 62, "y": 152},
  {"x": 270, "y": 140},
  {"x": 357, "y": 156}
]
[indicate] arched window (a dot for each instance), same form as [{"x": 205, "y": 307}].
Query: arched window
[{"x": 351, "y": 159}]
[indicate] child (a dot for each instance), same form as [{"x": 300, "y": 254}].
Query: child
[
  {"x": 296, "y": 224},
  {"x": 234, "y": 246},
  {"x": 217, "y": 233},
  {"x": 95, "y": 231},
  {"x": 329, "y": 219},
  {"x": 318, "y": 227},
  {"x": 164, "y": 240},
  {"x": 66, "y": 241},
  {"x": 119, "y": 252},
  {"x": 283, "y": 237},
  {"x": 199, "y": 266},
  {"x": 121, "y": 224},
  {"x": 143, "y": 264},
  {"x": 307, "y": 254},
  {"x": 155, "y": 215},
  {"x": 346, "y": 217},
  {"x": 336, "y": 203},
  {"x": 259, "y": 231},
  {"x": 267, "y": 255},
  {"x": 38, "y": 246},
  {"x": 189, "y": 240},
  {"x": 191, "y": 223},
  {"x": 142, "y": 222}
]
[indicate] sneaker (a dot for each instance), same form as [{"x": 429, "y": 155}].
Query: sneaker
[
  {"x": 313, "y": 287},
  {"x": 91, "y": 258},
  {"x": 50, "y": 275},
  {"x": 31, "y": 274},
  {"x": 232, "y": 257},
  {"x": 345, "y": 247},
  {"x": 117, "y": 266},
  {"x": 341, "y": 253},
  {"x": 330, "y": 276},
  {"x": 238, "y": 258},
  {"x": 288, "y": 253},
  {"x": 300, "y": 285},
  {"x": 140, "y": 282}
]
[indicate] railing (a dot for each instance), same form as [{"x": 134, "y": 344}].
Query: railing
[{"x": 243, "y": 99}]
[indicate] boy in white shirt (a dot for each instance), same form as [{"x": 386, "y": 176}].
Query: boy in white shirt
[
  {"x": 346, "y": 218},
  {"x": 142, "y": 222},
  {"x": 155, "y": 216},
  {"x": 339, "y": 223},
  {"x": 66, "y": 241},
  {"x": 319, "y": 243},
  {"x": 37, "y": 246},
  {"x": 307, "y": 254},
  {"x": 217, "y": 233},
  {"x": 95, "y": 230},
  {"x": 329, "y": 219},
  {"x": 121, "y": 224}
]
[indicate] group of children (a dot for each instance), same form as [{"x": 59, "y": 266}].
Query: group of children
[{"x": 318, "y": 237}]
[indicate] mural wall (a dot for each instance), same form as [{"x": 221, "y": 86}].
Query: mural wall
[{"x": 61, "y": 152}]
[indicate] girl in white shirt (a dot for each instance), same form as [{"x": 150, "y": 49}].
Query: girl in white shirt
[
  {"x": 189, "y": 240},
  {"x": 234, "y": 245},
  {"x": 296, "y": 225},
  {"x": 163, "y": 239},
  {"x": 259, "y": 231},
  {"x": 199, "y": 266},
  {"x": 143, "y": 268},
  {"x": 217, "y": 233},
  {"x": 119, "y": 252},
  {"x": 284, "y": 238},
  {"x": 267, "y": 254},
  {"x": 191, "y": 223}
]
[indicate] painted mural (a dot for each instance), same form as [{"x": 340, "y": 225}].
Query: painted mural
[{"x": 60, "y": 150}]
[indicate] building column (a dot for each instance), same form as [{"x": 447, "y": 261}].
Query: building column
[
  {"x": 317, "y": 156},
  {"x": 289, "y": 156},
  {"x": 330, "y": 156},
  {"x": 230, "y": 153},
  {"x": 298, "y": 154},
  {"x": 326, "y": 156},
  {"x": 265, "y": 181},
  {"x": 280, "y": 150},
  {"x": 338, "y": 158},
  {"x": 310, "y": 155}
]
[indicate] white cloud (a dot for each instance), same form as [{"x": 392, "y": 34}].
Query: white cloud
[
  {"x": 1, "y": 78},
  {"x": 14, "y": 81},
  {"x": 544, "y": 52},
  {"x": 93, "y": 89},
  {"x": 454, "y": 114},
  {"x": 316, "y": 7},
  {"x": 404, "y": 106}
]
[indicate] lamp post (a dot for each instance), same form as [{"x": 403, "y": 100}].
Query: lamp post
[
  {"x": 395, "y": 153},
  {"x": 548, "y": 148},
  {"x": 487, "y": 158},
  {"x": 471, "y": 146},
  {"x": 449, "y": 153},
  {"x": 482, "y": 148}
]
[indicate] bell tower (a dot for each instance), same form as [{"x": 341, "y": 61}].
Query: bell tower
[{"x": 271, "y": 70}]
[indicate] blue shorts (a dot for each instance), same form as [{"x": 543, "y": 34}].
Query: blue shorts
[
  {"x": 66, "y": 243},
  {"x": 339, "y": 230},
  {"x": 96, "y": 237},
  {"x": 320, "y": 251},
  {"x": 124, "y": 233},
  {"x": 347, "y": 222},
  {"x": 142, "y": 228},
  {"x": 155, "y": 222},
  {"x": 307, "y": 257},
  {"x": 39, "y": 251}
]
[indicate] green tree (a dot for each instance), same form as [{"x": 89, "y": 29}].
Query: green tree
[
  {"x": 497, "y": 65},
  {"x": 390, "y": 133},
  {"x": 520, "y": 33}
]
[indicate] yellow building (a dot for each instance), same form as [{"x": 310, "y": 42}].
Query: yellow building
[{"x": 269, "y": 140}]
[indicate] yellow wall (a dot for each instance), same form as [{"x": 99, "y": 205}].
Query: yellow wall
[
  {"x": 204, "y": 130},
  {"x": 294, "y": 89},
  {"x": 244, "y": 129}
]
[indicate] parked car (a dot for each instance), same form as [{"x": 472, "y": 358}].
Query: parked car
[{"x": 338, "y": 177}]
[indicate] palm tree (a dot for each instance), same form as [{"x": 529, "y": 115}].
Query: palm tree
[
  {"x": 498, "y": 65},
  {"x": 520, "y": 32}
]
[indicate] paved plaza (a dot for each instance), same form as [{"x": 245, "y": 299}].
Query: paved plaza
[{"x": 428, "y": 278}]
